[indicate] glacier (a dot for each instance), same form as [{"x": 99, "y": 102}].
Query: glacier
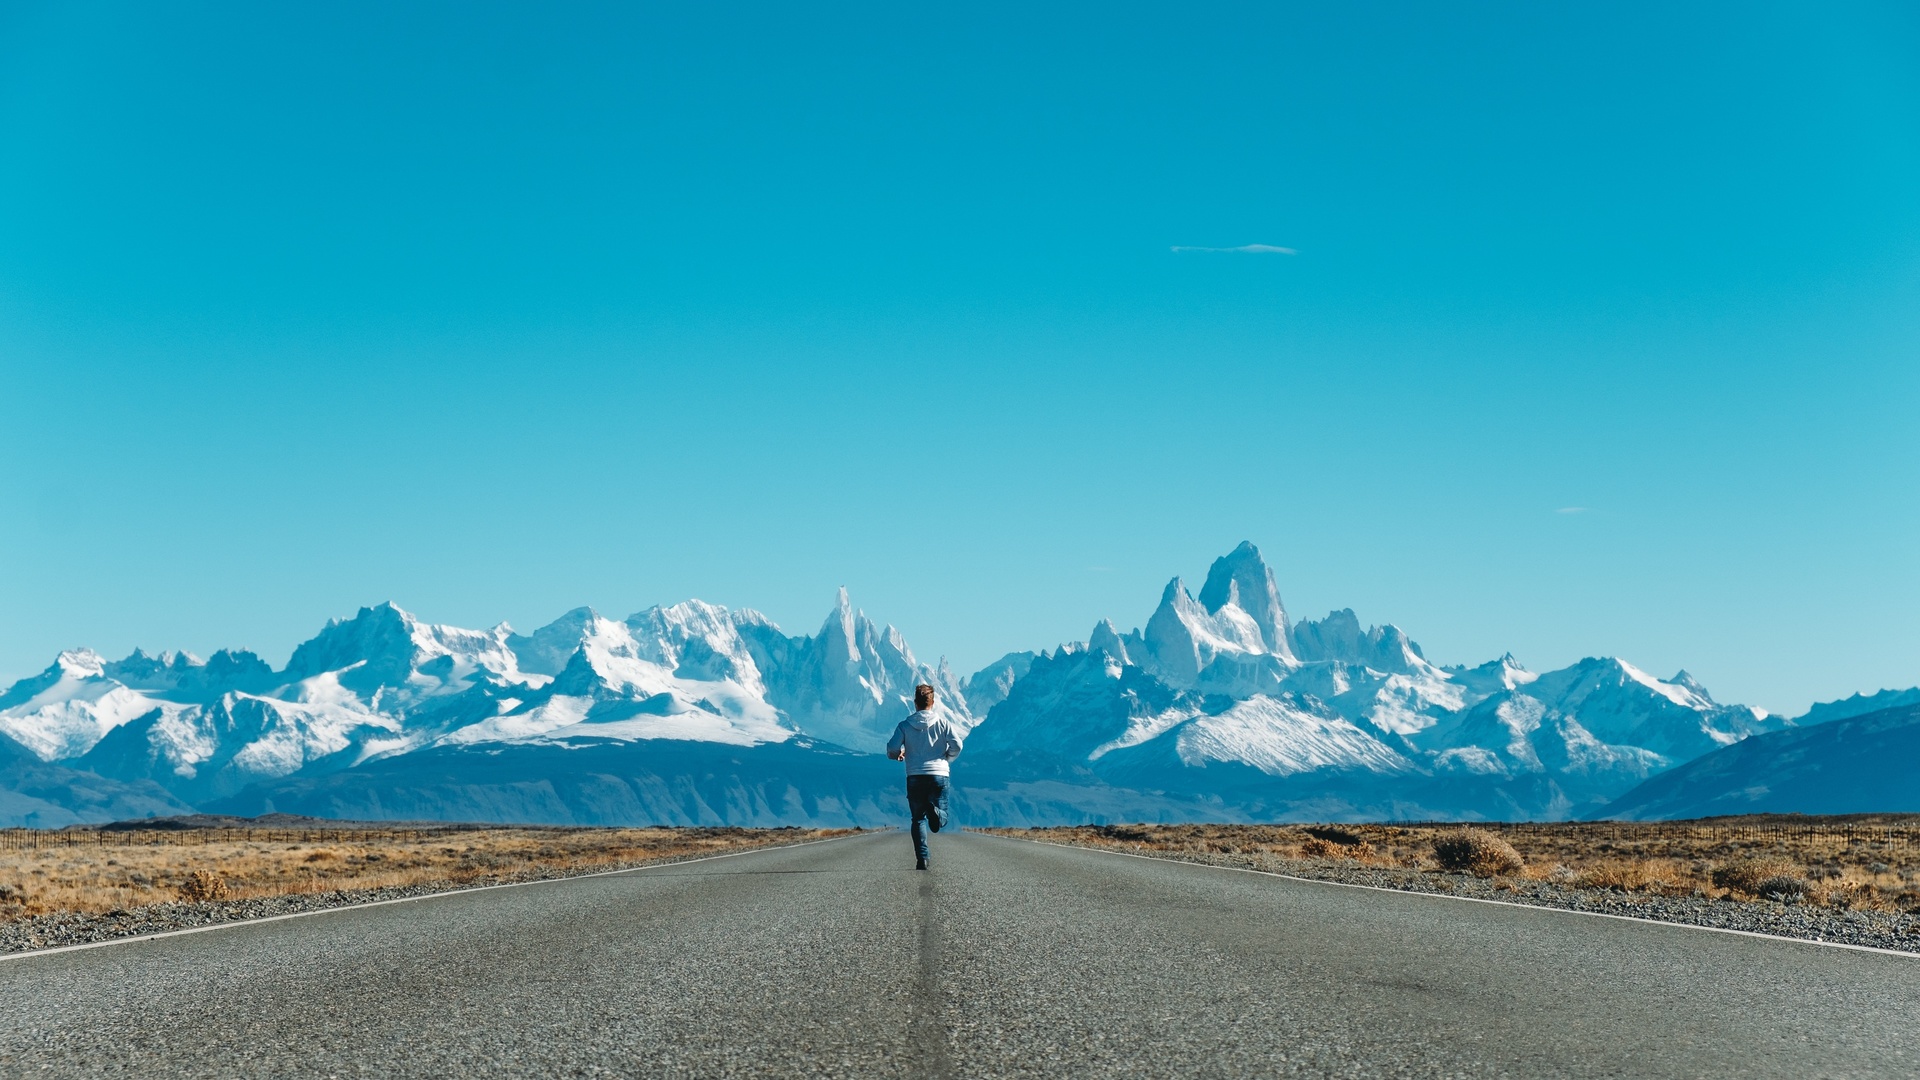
[{"x": 1218, "y": 706}]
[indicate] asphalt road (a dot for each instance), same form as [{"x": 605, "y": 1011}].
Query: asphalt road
[{"x": 1009, "y": 959}]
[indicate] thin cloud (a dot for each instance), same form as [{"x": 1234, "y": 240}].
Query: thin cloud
[
  {"x": 1574, "y": 510},
  {"x": 1243, "y": 249}
]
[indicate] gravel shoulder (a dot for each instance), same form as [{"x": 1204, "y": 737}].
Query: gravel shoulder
[
  {"x": 62, "y": 929},
  {"x": 1873, "y": 929}
]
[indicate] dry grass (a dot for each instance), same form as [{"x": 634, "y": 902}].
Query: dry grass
[
  {"x": 1842, "y": 863},
  {"x": 109, "y": 872}
]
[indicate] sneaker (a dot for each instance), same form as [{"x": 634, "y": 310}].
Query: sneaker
[{"x": 921, "y": 865}]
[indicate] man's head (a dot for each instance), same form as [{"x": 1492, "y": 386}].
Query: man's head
[{"x": 922, "y": 697}]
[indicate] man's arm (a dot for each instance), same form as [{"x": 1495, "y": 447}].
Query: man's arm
[
  {"x": 953, "y": 743},
  {"x": 897, "y": 746}
]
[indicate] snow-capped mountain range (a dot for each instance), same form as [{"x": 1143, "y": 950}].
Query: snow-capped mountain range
[
  {"x": 1325, "y": 718},
  {"x": 1219, "y": 707},
  {"x": 384, "y": 684}
]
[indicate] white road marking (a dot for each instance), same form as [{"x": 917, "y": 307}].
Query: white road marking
[
  {"x": 237, "y": 923},
  {"x": 1470, "y": 899}
]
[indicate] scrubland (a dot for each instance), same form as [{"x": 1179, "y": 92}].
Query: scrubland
[
  {"x": 1847, "y": 864},
  {"x": 102, "y": 872}
]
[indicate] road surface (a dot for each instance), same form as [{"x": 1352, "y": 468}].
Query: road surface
[{"x": 1009, "y": 959}]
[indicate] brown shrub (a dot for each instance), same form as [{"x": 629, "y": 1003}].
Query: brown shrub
[
  {"x": 204, "y": 885},
  {"x": 1785, "y": 888},
  {"x": 1316, "y": 848},
  {"x": 1477, "y": 852},
  {"x": 1334, "y": 834},
  {"x": 1747, "y": 875}
]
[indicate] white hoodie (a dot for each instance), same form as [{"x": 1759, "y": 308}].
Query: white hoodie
[{"x": 929, "y": 743}]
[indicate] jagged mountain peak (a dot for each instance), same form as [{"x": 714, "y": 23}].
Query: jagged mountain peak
[
  {"x": 1609, "y": 706},
  {"x": 140, "y": 662},
  {"x": 1243, "y": 579},
  {"x": 1858, "y": 704},
  {"x": 1108, "y": 639},
  {"x": 697, "y": 640},
  {"x": 1183, "y": 638},
  {"x": 548, "y": 649},
  {"x": 842, "y": 684},
  {"x": 840, "y": 632},
  {"x": 677, "y": 623},
  {"x": 850, "y": 682},
  {"x": 1339, "y": 638},
  {"x": 382, "y": 633},
  {"x": 79, "y": 664},
  {"x": 1612, "y": 671},
  {"x": 897, "y": 641},
  {"x": 226, "y": 670},
  {"x": 1504, "y": 662},
  {"x": 749, "y": 617},
  {"x": 384, "y": 653},
  {"x": 988, "y": 687},
  {"x": 1684, "y": 680},
  {"x": 1175, "y": 590},
  {"x": 69, "y": 667},
  {"x": 1509, "y": 665},
  {"x": 1492, "y": 677},
  {"x": 844, "y": 614}
]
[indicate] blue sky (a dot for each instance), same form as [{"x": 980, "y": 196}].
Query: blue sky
[{"x": 1600, "y": 335}]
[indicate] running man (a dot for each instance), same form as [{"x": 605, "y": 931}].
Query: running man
[{"x": 926, "y": 743}]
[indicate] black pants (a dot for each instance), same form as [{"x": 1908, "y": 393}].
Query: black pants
[{"x": 927, "y": 802}]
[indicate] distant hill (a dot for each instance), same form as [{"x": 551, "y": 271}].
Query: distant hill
[
  {"x": 47, "y": 795},
  {"x": 1861, "y": 764}
]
